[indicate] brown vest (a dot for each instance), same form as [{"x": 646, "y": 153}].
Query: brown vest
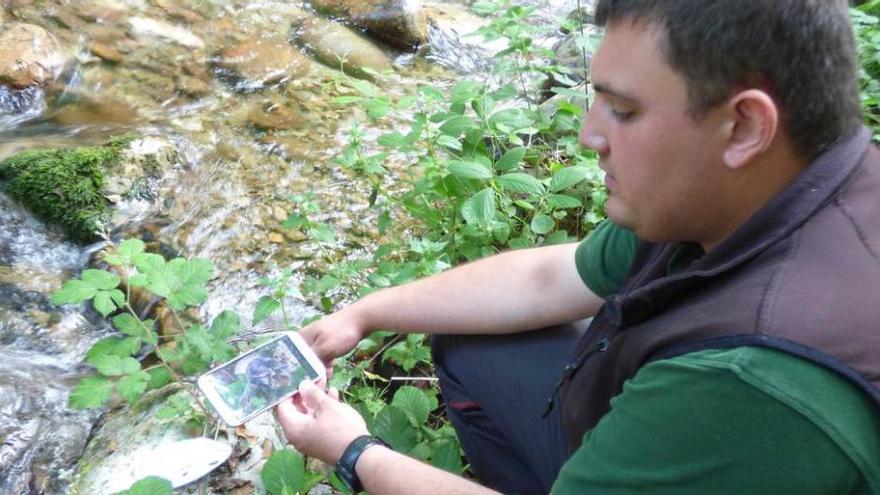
[{"x": 801, "y": 276}]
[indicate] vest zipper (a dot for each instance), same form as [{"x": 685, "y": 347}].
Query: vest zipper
[{"x": 572, "y": 368}]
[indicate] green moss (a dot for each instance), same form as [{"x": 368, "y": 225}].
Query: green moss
[{"x": 63, "y": 186}]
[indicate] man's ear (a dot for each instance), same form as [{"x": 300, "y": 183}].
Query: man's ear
[{"x": 755, "y": 122}]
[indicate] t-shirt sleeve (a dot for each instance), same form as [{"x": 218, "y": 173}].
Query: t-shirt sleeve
[
  {"x": 685, "y": 428},
  {"x": 603, "y": 259}
]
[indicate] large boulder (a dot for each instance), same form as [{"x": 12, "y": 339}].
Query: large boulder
[
  {"x": 399, "y": 22},
  {"x": 264, "y": 61},
  {"x": 340, "y": 47},
  {"x": 29, "y": 55}
]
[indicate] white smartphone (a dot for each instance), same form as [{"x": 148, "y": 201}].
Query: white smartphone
[{"x": 260, "y": 378}]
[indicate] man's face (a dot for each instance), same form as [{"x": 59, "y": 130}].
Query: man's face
[{"x": 662, "y": 166}]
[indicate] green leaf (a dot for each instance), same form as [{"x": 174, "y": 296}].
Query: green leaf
[
  {"x": 567, "y": 177},
  {"x": 392, "y": 425},
  {"x": 447, "y": 456},
  {"x": 480, "y": 208},
  {"x": 100, "y": 279},
  {"x": 414, "y": 403},
  {"x": 511, "y": 159},
  {"x": 457, "y": 125},
  {"x": 346, "y": 100},
  {"x": 563, "y": 201},
  {"x": 93, "y": 391},
  {"x": 110, "y": 365},
  {"x": 542, "y": 224},
  {"x": 129, "y": 325},
  {"x": 113, "y": 346},
  {"x": 151, "y": 485},
  {"x": 126, "y": 252},
  {"x": 148, "y": 262},
  {"x": 265, "y": 307},
  {"x": 74, "y": 292},
  {"x": 132, "y": 387},
  {"x": 103, "y": 303},
  {"x": 181, "y": 282},
  {"x": 469, "y": 170},
  {"x": 520, "y": 182},
  {"x": 285, "y": 469},
  {"x": 225, "y": 325},
  {"x": 158, "y": 377}
]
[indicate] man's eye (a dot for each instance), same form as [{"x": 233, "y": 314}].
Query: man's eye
[{"x": 622, "y": 116}]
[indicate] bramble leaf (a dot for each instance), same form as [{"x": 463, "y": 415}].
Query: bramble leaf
[
  {"x": 110, "y": 365},
  {"x": 284, "y": 472},
  {"x": 103, "y": 303},
  {"x": 158, "y": 377},
  {"x": 74, "y": 292},
  {"x": 99, "y": 279},
  {"x": 225, "y": 325},
  {"x": 414, "y": 403},
  {"x": 113, "y": 346},
  {"x": 132, "y": 387},
  {"x": 151, "y": 485},
  {"x": 93, "y": 391},
  {"x": 392, "y": 425}
]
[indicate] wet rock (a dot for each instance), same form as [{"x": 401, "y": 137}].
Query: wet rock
[
  {"x": 401, "y": 23},
  {"x": 339, "y": 47},
  {"x": 273, "y": 116},
  {"x": 264, "y": 61},
  {"x": 144, "y": 27},
  {"x": 191, "y": 86},
  {"x": 139, "y": 166},
  {"x": 178, "y": 12},
  {"x": 103, "y": 12},
  {"x": 92, "y": 111},
  {"x": 106, "y": 53},
  {"x": 29, "y": 55}
]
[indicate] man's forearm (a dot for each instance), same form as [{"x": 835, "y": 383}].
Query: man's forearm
[
  {"x": 383, "y": 471},
  {"x": 510, "y": 292}
]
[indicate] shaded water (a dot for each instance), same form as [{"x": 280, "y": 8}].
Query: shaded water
[{"x": 231, "y": 154}]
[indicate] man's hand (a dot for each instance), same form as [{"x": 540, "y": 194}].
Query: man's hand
[
  {"x": 335, "y": 335},
  {"x": 317, "y": 424}
]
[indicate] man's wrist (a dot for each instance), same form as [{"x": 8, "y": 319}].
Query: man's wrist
[{"x": 346, "y": 466}]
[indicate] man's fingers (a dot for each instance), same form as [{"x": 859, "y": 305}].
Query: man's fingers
[
  {"x": 290, "y": 416},
  {"x": 333, "y": 393},
  {"x": 312, "y": 396}
]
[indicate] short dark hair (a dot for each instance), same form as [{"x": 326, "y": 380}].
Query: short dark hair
[{"x": 801, "y": 51}]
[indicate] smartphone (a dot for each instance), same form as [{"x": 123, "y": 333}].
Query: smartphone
[{"x": 260, "y": 378}]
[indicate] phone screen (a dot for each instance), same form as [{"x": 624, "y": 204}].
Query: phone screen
[{"x": 260, "y": 378}]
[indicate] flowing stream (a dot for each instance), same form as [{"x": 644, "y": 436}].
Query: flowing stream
[{"x": 230, "y": 156}]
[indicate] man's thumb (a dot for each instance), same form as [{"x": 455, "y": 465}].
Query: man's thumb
[{"x": 312, "y": 396}]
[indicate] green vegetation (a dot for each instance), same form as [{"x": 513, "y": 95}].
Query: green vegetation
[
  {"x": 481, "y": 168},
  {"x": 63, "y": 186}
]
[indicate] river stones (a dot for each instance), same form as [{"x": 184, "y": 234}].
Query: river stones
[
  {"x": 399, "y": 22},
  {"x": 260, "y": 62},
  {"x": 339, "y": 47},
  {"x": 144, "y": 27},
  {"x": 29, "y": 55}
]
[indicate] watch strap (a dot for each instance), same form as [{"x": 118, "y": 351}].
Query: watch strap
[{"x": 345, "y": 467}]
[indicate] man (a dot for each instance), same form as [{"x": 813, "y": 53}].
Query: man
[{"x": 737, "y": 292}]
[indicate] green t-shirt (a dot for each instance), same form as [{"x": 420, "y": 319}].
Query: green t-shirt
[{"x": 742, "y": 420}]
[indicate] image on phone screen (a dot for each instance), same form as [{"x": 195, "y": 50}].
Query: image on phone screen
[{"x": 260, "y": 378}]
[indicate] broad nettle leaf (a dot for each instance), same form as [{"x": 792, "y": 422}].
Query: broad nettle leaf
[
  {"x": 265, "y": 307},
  {"x": 479, "y": 209},
  {"x": 542, "y": 224},
  {"x": 563, "y": 201},
  {"x": 567, "y": 177},
  {"x": 392, "y": 425},
  {"x": 511, "y": 159},
  {"x": 414, "y": 402},
  {"x": 226, "y": 324},
  {"x": 519, "y": 182},
  {"x": 132, "y": 387},
  {"x": 93, "y": 391},
  {"x": 285, "y": 469},
  {"x": 151, "y": 485},
  {"x": 469, "y": 170}
]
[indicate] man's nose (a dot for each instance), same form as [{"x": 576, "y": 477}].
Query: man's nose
[{"x": 590, "y": 136}]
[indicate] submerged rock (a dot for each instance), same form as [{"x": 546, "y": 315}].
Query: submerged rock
[
  {"x": 29, "y": 55},
  {"x": 399, "y": 22},
  {"x": 144, "y": 27},
  {"x": 339, "y": 47},
  {"x": 263, "y": 61}
]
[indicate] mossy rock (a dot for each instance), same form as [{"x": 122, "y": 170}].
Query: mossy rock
[{"x": 64, "y": 186}]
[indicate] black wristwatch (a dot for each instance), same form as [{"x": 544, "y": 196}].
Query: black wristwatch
[{"x": 346, "y": 464}]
